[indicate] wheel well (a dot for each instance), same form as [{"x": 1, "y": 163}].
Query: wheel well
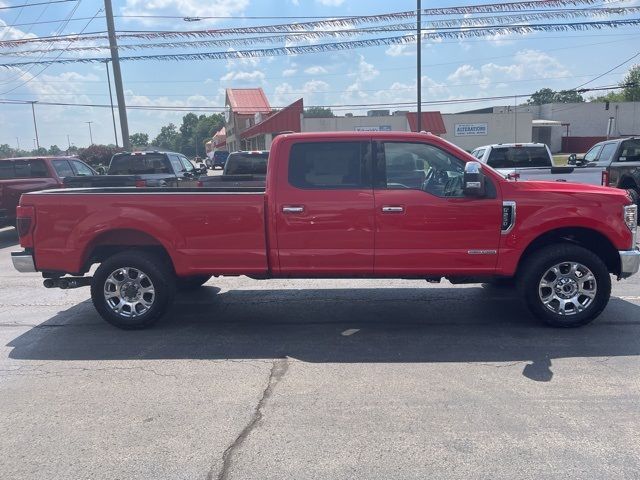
[
  {"x": 114, "y": 241},
  {"x": 584, "y": 237},
  {"x": 628, "y": 182}
]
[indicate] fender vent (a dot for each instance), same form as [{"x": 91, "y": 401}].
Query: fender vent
[{"x": 508, "y": 216}]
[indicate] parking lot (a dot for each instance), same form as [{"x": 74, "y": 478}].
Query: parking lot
[{"x": 335, "y": 379}]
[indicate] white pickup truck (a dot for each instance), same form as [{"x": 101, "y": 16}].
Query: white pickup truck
[{"x": 533, "y": 161}]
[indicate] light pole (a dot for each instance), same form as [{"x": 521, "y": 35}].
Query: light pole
[
  {"x": 34, "y": 144},
  {"x": 68, "y": 143},
  {"x": 419, "y": 65},
  {"x": 35, "y": 125},
  {"x": 90, "y": 134},
  {"x": 18, "y": 142},
  {"x": 113, "y": 114}
]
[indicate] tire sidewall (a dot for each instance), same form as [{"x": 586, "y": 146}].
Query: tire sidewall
[
  {"x": 152, "y": 266},
  {"x": 545, "y": 259}
]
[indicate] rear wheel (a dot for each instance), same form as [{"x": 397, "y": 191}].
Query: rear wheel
[
  {"x": 132, "y": 290},
  {"x": 565, "y": 285},
  {"x": 186, "y": 284}
]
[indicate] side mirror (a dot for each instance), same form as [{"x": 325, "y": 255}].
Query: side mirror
[
  {"x": 473, "y": 180},
  {"x": 571, "y": 160}
]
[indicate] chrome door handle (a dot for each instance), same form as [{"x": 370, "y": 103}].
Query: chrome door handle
[
  {"x": 295, "y": 209},
  {"x": 393, "y": 209}
]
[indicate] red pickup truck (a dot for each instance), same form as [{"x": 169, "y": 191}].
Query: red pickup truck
[
  {"x": 28, "y": 174},
  {"x": 355, "y": 205}
]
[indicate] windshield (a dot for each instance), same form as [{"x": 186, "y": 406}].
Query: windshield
[
  {"x": 519, "y": 157},
  {"x": 246, "y": 164},
  {"x": 139, "y": 164}
]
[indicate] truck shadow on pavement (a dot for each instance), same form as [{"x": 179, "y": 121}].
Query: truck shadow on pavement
[
  {"x": 340, "y": 325},
  {"x": 8, "y": 237}
]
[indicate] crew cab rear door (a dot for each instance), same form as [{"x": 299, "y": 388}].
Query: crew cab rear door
[
  {"x": 324, "y": 208},
  {"x": 424, "y": 223}
]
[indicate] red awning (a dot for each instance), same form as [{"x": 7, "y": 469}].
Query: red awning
[
  {"x": 287, "y": 119},
  {"x": 431, "y": 122}
]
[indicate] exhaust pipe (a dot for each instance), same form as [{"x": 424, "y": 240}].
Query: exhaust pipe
[{"x": 66, "y": 283}]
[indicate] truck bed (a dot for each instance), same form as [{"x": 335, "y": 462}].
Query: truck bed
[{"x": 208, "y": 230}]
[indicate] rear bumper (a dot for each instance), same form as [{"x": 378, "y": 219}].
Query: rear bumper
[
  {"x": 629, "y": 262},
  {"x": 23, "y": 262}
]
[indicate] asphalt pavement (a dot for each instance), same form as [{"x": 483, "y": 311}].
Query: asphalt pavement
[{"x": 315, "y": 379}]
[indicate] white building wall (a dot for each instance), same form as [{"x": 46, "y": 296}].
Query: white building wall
[
  {"x": 396, "y": 123},
  {"x": 489, "y": 128}
]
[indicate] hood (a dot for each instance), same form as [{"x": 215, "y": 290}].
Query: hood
[{"x": 568, "y": 187}]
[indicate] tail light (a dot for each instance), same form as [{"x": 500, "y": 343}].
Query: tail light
[
  {"x": 141, "y": 183},
  {"x": 605, "y": 178},
  {"x": 25, "y": 221}
]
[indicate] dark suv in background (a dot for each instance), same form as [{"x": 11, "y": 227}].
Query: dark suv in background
[{"x": 218, "y": 160}]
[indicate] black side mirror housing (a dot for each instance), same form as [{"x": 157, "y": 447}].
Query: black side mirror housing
[{"x": 473, "y": 180}]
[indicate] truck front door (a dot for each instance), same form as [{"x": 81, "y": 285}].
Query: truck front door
[
  {"x": 324, "y": 209},
  {"x": 424, "y": 223}
]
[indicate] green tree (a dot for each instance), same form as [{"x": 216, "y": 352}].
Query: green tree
[
  {"x": 6, "y": 151},
  {"x": 139, "y": 140},
  {"x": 168, "y": 138},
  {"x": 546, "y": 95},
  {"x": 54, "y": 150},
  {"x": 613, "y": 96},
  {"x": 318, "y": 112},
  {"x": 96, "y": 155},
  {"x": 631, "y": 84}
]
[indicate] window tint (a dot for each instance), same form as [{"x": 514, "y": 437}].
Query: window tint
[
  {"x": 62, "y": 168},
  {"x": 176, "y": 163},
  {"x": 81, "y": 169},
  {"x": 592, "y": 154},
  {"x": 246, "y": 164},
  {"x": 630, "y": 151},
  {"x": 24, "y": 169},
  {"x": 419, "y": 166},
  {"x": 186, "y": 164},
  {"x": 607, "y": 152},
  {"x": 6, "y": 169},
  {"x": 139, "y": 164},
  {"x": 329, "y": 165},
  {"x": 519, "y": 157}
]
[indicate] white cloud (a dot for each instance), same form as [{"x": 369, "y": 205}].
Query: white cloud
[
  {"x": 256, "y": 76},
  {"x": 330, "y": 3},
  {"x": 313, "y": 92},
  {"x": 289, "y": 72},
  {"x": 315, "y": 70},
  {"x": 12, "y": 33},
  {"x": 400, "y": 51}
]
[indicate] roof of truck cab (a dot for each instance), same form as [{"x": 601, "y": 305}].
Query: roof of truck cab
[
  {"x": 42, "y": 157},
  {"x": 359, "y": 135}
]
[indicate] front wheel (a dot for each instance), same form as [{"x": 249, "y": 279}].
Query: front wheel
[
  {"x": 565, "y": 285},
  {"x": 132, "y": 290}
]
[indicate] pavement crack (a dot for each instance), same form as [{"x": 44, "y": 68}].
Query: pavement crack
[{"x": 279, "y": 368}]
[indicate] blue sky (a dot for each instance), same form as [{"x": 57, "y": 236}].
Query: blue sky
[{"x": 452, "y": 69}]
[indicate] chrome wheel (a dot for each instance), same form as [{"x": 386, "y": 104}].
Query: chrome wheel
[
  {"x": 129, "y": 292},
  {"x": 567, "y": 288}
]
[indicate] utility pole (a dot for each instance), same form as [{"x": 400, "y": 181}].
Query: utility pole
[
  {"x": 113, "y": 114},
  {"x": 35, "y": 125},
  {"x": 117, "y": 75},
  {"x": 419, "y": 65},
  {"x": 18, "y": 142},
  {"x": 90, "y": 134},
  {"x": 68, "y": 143}
]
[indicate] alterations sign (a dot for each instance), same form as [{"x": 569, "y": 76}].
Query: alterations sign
[
  {"x": 470, "y": 129},
  {"x": 381, "y": 128}
]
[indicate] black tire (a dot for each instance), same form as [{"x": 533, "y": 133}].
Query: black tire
[
  {"x": 187, "y": 284},
  {"x": 152, "y": 306},
  {"x": 535, "y": 268}
]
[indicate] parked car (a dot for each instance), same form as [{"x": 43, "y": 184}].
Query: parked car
[
  {"x": 218, "y": 159},
  {"x": 621, "y": 158},
  {"x": 532, "y": 161},
  {"x": 143, "y": 169},
  {"x": 339, "y": 204},
  {"x": 28, "y": 174},
  {"x": 248, "y": 169}
]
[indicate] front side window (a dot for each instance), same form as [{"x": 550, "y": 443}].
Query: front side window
[
  {"x": 418, "y": 166},
  {"x": 593, "y": 153},
  {"x": 186, "y": 164},
  {"x": 330, "y": 165},
  {"x": 62, "y": 168},
  {"x": 81, "y": 169}
]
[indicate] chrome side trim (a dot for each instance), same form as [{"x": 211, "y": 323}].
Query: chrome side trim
[
  {"x": 629, "y": 263},
  {"x": 23, "y": 262},
  {"x": 482, "y": 252},
  {"x": 512, "y": 204}
]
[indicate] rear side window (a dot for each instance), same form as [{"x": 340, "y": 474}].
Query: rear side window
[
  {"x": 139, "y": 164},
  {"x": 330, "y": 165},
  {"x": 23, "y": 169},
  {"x": 246, "y": 164},
  {"x": 62, "y": 168},
  {"x": 519, "y": 157},
  {"x": 630, "y": 151}
]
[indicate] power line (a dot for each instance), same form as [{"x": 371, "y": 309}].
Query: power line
[
  {"x": 609, "y": 71},
  {"x": 9, "y": 7}
]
